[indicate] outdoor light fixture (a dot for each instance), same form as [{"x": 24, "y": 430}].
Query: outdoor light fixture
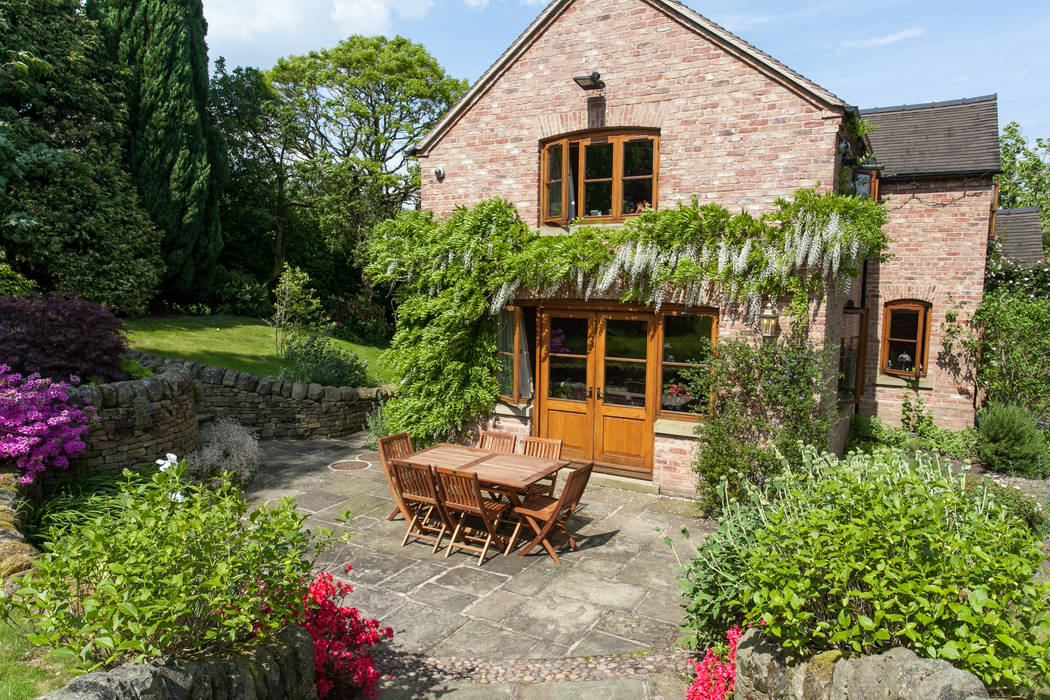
[
  {"x": 439, "y": 173},
  {"x": 590, "y": 82},
  {"x": 768, "y": 322}
]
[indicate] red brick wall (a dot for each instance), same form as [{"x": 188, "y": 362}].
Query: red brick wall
[
  {"x": 728, "y": 132},
  {"x": 939, "y": 230}
]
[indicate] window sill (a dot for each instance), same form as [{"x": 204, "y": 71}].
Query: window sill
[
  {"x": 675, "y": 428},
  {"x": 517, "y": 410},
  {"x": 890, "y": 380}
]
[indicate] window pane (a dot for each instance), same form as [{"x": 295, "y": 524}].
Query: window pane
[
  {"x": 901, "y": 356},
  {"x": 638, "y": 158},
  {"x": 505, "y": 334},
  {"x": 506, "y": 375},
  {"x": 568, "y": 336},
  {"x": 554, "y": 163},
  {"x": 625, "y": 338},
  {"x": 680, "y": 390},
  {"x": 597, "y": 198},
  {"x": 624, "y": 383},
  {"x": 849, "y": 355},
  {"x": 568, "y": 378},
  {"x": 687, "y": 338},
  {"x": 637, "y": 195},
  {"x": 554, "y": 207},
  {"x": 524, "y": 361},
  {"x": 904, "y": 324},
  {"x": 598, "y": 160}
]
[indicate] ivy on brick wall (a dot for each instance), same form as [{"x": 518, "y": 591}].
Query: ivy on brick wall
[{"x": 451, "y": 277}]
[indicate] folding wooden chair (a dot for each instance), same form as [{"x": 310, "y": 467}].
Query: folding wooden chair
[
  {"x": 545, "y": 514},
  {"x": 390, "y": 448},
  {"x": 419, "y": 490},
  {"x": 544, "y": 448},
  {"x": 495, "y": 441},
  {"x": 461, "y": 494}
]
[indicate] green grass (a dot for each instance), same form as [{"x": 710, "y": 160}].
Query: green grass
[
  {"x": 235, "y": 342},
  {"x": 24, "y": 671}
]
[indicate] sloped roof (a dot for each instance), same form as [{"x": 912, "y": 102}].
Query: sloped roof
[
  {"x": 938, "y": 138},
  {"x": 1020, "y": 235},
  {"x": 673, "y": 8}
]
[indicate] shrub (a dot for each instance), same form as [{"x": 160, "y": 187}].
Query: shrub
[
  {"x": 313, "y": 358},
  {"x": 295, "y": 309},
  {"x": 869, "y": 434},
  {"x": 340, "y": 639},
  {"x": 240, "y": 294},
  {"x": 58, "y": 337},
  {"x": 1016, "y": 503},
  {"x": 1011, "y": 442},
  {"x": 376, "y": 426},
  {"x": 226, "y": 447},
  {"x": 135, "y": 369},
  {"x": 764, "y": 397},
  {"x": 359, "y": 318},
  {"x": 13, "y": 284},
  {"x": 180, "y": 569},
  {"x": 39, "y": 429},
  {"x": 872, "y": 552}
]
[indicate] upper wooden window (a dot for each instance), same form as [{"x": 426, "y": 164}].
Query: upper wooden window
[
  {"x": 600, "y": 176},
  {"x": 906, "y": 338},
  {"x": 514, "y": 343}
]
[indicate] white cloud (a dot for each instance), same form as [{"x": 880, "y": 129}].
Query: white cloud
[
  {"x": 376, "y": 16},
  {"x": 883, "y": 40},
  {"x": 243, "y": 19},
  {"x": 476, "y": 4}
]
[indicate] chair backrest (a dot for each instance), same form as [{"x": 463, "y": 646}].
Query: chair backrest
[
  {"x": 544, "y": 448},
  {"x": 394, "y": 447},
  {"x": 495, "y": 441},
  {"x": 460, "y": 490},
  {"x": 574, "y": 488},
  {"x": 414, "y": 482}
]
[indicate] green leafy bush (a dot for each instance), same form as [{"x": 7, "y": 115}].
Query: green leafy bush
[
  {"x": 135, "y": 369},
  {"x": 312, "y": 357},
  {"x": 765, "y": 397},
  {"x": 1025, "y": 508},
  {"x": 13, "y": 284},
  {"x": 239, "y": 294},
  {"x": 296, "y": 308},
  {"x": 876, "y": 551},
  {"x": 1011, "y": 442},
  {"x": 227, "y": 449},
  {"x": 868, "y": 434},
  {"x": 178, "y": 569}
]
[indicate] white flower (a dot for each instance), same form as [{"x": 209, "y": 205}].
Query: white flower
[
  {"x": 177, "y": 496},
  {"x": 168, "y": 462}
]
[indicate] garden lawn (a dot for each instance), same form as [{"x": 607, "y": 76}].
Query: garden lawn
[
  {"x": 24, "y": 671},
  {"x": 235, "y": 342}
]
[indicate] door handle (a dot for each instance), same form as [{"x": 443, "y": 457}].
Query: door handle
[
  {"x": 590, "y": 392},
  {"x": 599, "y": 393}
]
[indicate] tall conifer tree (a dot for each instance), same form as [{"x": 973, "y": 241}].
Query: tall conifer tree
[{"x": 172, "y": 150}]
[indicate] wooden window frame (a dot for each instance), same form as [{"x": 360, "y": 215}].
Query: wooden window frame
[
  {"x": 922, "y": 340},
  {"x": 862, "y": 356},
  {"x": 679, "y": 415},
  {"x": 617, "y": 137},
  {"x": 519, "y": 326}
]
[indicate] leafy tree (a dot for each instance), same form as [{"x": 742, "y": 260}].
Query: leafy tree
[
  {"x": 172, "y": 144},
  {"x": 69, "y": 216},
  {"x": 1025, "y": 180},
  {"x": 361, "y": 105}
]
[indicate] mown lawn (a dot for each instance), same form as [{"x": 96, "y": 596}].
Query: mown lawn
[
  {"x": 24, "y": 671},
  {"x": 236, "y": 342}
]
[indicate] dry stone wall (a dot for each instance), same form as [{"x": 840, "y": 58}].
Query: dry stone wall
[{"x": 276, "y": 408}]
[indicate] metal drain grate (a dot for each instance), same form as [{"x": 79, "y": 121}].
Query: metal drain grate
[{"x": 346, "y": 465}]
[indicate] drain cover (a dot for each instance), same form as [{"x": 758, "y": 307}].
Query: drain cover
[{"x": 345, "y": 465}]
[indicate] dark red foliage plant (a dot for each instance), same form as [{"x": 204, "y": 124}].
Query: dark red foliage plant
[{"x": 58, "y": 337}]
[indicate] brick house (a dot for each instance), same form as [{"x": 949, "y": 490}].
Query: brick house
[{"x": 686, "y": 109}]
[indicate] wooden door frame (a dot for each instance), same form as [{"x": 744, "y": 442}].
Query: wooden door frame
[{"x": 542, "y": 382}]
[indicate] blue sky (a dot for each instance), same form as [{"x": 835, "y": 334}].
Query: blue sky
[{"x": 870, "y": 54}]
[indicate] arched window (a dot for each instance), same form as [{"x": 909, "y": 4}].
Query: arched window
[
  {"x": 603, "y": 176},
  {"x": 905, "y": 338}
]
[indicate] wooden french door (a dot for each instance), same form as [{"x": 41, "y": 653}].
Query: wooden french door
[{"x": 597, "y": 388}]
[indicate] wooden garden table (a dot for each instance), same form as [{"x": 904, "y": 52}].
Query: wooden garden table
[{"x": 510, "y": 473}]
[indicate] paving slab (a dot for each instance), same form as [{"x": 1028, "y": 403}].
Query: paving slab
[
  {"x": 626, "y": 689},
  {"x": 603, "y": 592},
  {"x": 594, "y": 643},
  {"x": 478, "y": 638},
  {"x": 414, "y": 576},
  {"x": 472, "y": 580},
  {"x": 649, "y": 570},
  {"x": 644, "y": 631},
  {"x": 553, "y": 617},
  {"x": 418, "y": 628},
  {"x": 496, "y": 605},
  {"x": 442, "y": 598}
]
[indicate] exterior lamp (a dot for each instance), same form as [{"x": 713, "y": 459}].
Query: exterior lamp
[
  {"x": 768, "y": 322},
  {"x": 590, "y": 82}
]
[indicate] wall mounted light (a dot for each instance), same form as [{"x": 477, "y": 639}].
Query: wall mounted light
[
  {"x": 439, "y": 173},
  {"x": 590, "y": 82},
  {"x": 768, "y": 322}
]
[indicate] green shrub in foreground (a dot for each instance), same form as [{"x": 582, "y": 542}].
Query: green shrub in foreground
[
  {"x": 1011, "y": 442},
  {"x": 180, "y": 569},
  {"x": 877, "y": 551}
]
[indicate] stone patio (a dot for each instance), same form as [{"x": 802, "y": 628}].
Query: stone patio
[{"x": 615, "y": 598}]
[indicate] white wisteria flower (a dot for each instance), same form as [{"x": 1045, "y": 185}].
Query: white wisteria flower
[
  {"x": 168, "y": 462},
  {"x": 177, "y": 497}
]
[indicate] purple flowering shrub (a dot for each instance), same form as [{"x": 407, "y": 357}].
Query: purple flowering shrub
[
  {"x": 56, "y": 337},
  {"x": 39, "y": 429}
]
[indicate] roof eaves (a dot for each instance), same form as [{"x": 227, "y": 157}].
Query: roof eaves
[
  {"x": 985, "y": 172},
  {"x": 929, "y": 105}
]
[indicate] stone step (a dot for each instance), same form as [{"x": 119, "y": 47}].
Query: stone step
[{"x": 203, "y": 418}]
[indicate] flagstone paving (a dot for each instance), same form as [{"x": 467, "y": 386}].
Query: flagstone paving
[{"x": 524, "y": 627}]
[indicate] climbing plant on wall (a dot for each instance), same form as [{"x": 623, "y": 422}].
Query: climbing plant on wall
[{"x": 451, "y": 278}]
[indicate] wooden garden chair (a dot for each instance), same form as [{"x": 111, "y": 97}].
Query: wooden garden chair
[
  {"x": 461, "y": 494},
  {"x": 495, "y": 441},
  {"x": 390, "y": 448},
  {"x": 418, "y": 488},
  {"x": 544, "y": 448},
  {"x": 546, "y": 515}
]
